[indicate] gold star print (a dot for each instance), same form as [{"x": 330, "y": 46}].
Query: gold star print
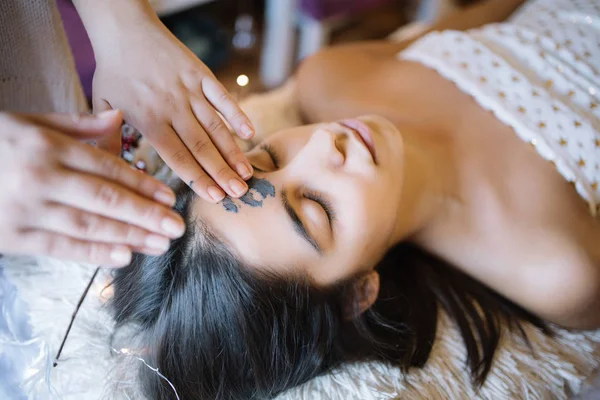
[
  {"x": 477, "y": 51},
  {"x": 542, "y": 54},
  {"x": 568, "y": 43},
  {"x": 581, "y": 163},
  {"x": 562, "y": 142},
  {"x": 464, "y": 65},
  {"x": 593, "y": 105},
  {"x": 556, "y": 109},
  {"x": 571, "y": 93},
  {"x": 495, "y": 64},
  {"x": 515, "y": 79},
  {"x": 597, "y": 142},
  {"x": 521, "y": 110},
  {"x": 578, "y": 58},
  {"x": 587, "y": 54},
  {"x": 558, "y": 46},
  {"x": 548, "y": 83},
  {"x": 541, "y": 125},
  {"x": 502, "y": 95},
  {"x": 483, "y": 79},
  {"x": 594, "y": 185},
  {"x": 535, "y": 93},
  {"x": 577, "y": 124}
]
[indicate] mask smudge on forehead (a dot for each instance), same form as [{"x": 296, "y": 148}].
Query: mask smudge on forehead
[{"x": 258, "y": 190}]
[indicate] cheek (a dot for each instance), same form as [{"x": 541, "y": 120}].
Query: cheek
[{"x": 369, "y": 217}]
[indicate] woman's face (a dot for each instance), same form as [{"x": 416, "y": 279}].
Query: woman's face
[{"x": 321, "y": 202}]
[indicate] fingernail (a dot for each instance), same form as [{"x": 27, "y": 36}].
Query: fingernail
[
  {"x": 215, "y": 193},
  {"x": 172, "y": 227},
  {"x": 243, "y": 170},
  {"x": 157, "y": 242},
  {"x": 237, "y": 187},
  {"x": 165, "y": 196},
  {"x": 121, "y": 255},
  {"x": 247, "y": 131},
  {"x": 107, "y": 114}
]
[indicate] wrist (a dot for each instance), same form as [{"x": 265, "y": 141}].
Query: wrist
[{"x": 106, "y": 20}]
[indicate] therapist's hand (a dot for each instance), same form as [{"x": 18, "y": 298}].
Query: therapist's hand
[
  {"x": 66, "y": 199},
  {"x": 171, "y": 97}
]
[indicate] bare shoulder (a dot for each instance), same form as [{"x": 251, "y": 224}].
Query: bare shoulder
[
  {"x": 547, "y": 267},
  {"x": 561, "y": 280}
]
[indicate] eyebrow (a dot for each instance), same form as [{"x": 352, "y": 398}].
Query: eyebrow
[{"x": 298, "y": 225}]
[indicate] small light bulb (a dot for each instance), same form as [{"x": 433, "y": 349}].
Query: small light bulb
[{"x": 242, "y": 80}]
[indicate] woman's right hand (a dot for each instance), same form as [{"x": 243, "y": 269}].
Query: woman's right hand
[{"x": 63, "y": 198}]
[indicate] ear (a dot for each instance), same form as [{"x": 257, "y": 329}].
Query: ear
[{"x": 361, "y": 295}]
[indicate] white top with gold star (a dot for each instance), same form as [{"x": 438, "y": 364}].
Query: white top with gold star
[{"x": 539, "y": 73}]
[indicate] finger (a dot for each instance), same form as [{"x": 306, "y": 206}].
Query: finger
[
  {"x": 81, "y": 126},
  {"x": 148, "y": 251},
  {"x": 48, "y": 243},
  {"x": 222, "y": 139},
  {"x": 84, "y": 225},
  {"x": 222, "y": 101},
  {"x": 112, "y": 141},
  {"x": 178, "y": 157},
  {"x": 204, "y": 151},
  {"x": 99, "y": 196},
  {"x": 83, "y": 158}
]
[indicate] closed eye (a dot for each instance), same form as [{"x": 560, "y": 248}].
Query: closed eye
[
  {"x": 267, "y": 148},
  {"x": 324, "y": 203}
]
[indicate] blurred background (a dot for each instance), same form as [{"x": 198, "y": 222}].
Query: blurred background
[{"x": 254, "y": 45}]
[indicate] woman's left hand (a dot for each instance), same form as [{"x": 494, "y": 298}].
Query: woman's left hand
[{"x": 170, "y": 96}]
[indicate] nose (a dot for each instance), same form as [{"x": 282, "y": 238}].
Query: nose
[{"x": 326, "y": 144}]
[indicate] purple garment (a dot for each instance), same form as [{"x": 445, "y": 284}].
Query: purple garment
[
  {"x": 322, "y": 9},
  {"x": 79, "y": 43}
]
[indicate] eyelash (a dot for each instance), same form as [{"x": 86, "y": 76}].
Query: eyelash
[
  {"x": 310, "y": 195},
  {"x": 326, "y": 204},
  {"x": 271, "y": 152}
]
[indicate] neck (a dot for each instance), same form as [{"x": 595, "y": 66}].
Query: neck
[{"x": 428, "y": 183}]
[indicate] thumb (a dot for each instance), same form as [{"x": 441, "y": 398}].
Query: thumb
[{"x": 112, "y": 141}]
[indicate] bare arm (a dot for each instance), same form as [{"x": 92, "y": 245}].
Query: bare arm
[{"x": 352, "y": 72}]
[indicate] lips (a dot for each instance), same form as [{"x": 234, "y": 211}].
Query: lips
[{"x": 364, "y": 133}]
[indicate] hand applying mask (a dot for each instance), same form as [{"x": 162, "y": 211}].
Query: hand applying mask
[{"x": 168, "y": 94}]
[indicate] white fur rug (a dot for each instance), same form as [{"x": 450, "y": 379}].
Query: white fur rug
[{"x": 89, "y": 370}]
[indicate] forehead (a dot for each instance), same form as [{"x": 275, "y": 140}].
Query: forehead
[{"x": 256, "y": 226}]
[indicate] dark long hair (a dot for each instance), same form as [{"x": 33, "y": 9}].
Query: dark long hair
[{"x": 218, "y": 329}]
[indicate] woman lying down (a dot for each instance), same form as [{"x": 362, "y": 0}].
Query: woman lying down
[{"x": 460, "y": 174}]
